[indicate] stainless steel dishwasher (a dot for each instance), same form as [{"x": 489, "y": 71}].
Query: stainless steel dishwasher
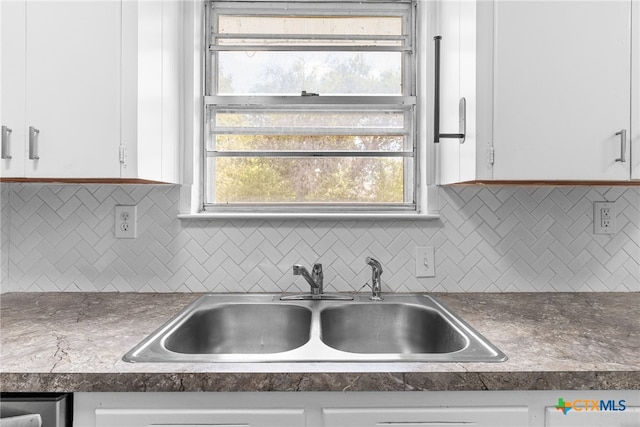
[{"x": 55, "y": 409}]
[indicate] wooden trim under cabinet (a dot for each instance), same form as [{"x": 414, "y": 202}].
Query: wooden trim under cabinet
[
  {"x": 119, "y": 181},
  {"x": 541, "y": 183}
]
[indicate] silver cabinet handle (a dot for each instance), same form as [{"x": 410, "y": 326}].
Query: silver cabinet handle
[
  {"x": 462, "y": 105},
  {"x": 623, "y": 145},
  {"x": 33, "y": 143},
  {"x": 6, "y": 134}
]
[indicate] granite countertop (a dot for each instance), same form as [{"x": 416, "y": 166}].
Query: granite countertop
[{"x": 52, "y": 342}]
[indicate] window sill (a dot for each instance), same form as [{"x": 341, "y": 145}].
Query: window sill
[{"x": 310, "y": 216}]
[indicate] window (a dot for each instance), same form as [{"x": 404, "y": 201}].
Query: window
[{"x": 310, "y": 107}]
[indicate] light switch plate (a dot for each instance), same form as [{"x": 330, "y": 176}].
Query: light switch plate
[{"x": 425, "y": 262}]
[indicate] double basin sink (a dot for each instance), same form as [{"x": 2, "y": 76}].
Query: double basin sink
[{"x": 264, "y": 328}]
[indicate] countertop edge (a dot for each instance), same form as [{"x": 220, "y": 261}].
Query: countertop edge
[{"x": 396, "y": 381}]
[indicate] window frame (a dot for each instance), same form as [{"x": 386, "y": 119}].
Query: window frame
[
  {"x": 191, "y": 193},
  {"x": 405, "y": 103}
]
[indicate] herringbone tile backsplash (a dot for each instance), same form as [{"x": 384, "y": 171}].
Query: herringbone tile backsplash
[{"x": 494, "y": 239}]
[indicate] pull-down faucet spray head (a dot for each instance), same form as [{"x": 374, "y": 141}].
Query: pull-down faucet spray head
[{"x": 376, "y": 283}]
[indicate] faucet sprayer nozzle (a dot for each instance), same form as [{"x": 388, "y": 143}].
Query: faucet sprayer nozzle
[
  {"x": 376, "y": 272},
  {"x": 374, "y": 264}
]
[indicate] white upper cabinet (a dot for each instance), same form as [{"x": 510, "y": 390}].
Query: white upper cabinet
[
  {"x": 635, "y": 94},
  {"x": 562, "y": 90},
  {"x": 67, "y": 95},
  {"x": 60, "y": 81},
  {"x": 151, "y": 88},
  {"x": 549, "y": 91},
  {"x": 12, "y": 74}
]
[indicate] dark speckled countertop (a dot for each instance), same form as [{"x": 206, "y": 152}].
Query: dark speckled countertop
[{"x": 555, "y": 341}]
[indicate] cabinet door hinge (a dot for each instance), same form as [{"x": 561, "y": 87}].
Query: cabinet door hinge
[
  {"x": 122, "y": 154},
  {"x": 490, "y": 155}
]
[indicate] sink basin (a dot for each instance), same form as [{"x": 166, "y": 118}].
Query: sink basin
[
  {"x": 242, "y": 328},
  {"x": 264, "y": 328},
  {"x": 389, "y": 328}
]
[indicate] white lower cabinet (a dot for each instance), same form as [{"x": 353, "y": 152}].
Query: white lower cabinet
[
  {"x": 593, "y": 417},
  {"x": 355, "y": 409},
  {"x": 491, "y": 416},
  {"x": 200, "y": 417},
  {"x": 185, "y": 409}
]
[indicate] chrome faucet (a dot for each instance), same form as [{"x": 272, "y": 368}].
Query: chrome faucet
[
  {"x": 314, "y": 279},
  {"x": 376, "y": 272}
]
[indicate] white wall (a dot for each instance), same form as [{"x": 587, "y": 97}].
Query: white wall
[{"x": 60, "y": 238}]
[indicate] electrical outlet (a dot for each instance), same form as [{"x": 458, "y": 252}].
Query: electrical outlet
[
  {"x": 425, "y": 262},
  {"x": 126, "y": 218},
  {"x": 604, "y": 218}
]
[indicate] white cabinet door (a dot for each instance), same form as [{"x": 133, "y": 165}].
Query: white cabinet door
[
  {"x": 151, "y": 69},
  {"x": 450, "y": 52},
  {"x": 12, "y": 74},
  {"x": 437, "y": 416},
  {"x": 91, "y": 78},
  {"x": 592, "y": 418},
  {"x": 554, "y": 84},
  {"x": 635, "y": 94},
  {"x": 73, "y": 87},
  {"x": 187, "y": 409},
  {"x": 562, "y": 89},
  {"x": 245, "y": 417}
]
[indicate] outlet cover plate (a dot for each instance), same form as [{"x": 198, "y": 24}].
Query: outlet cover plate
[
  {"x": 604, "y": 218},
  {"x": 126, "y": 222},
  {"x": 425, "y": 262}
]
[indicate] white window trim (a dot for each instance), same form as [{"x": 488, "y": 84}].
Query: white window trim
[{"x": 190, "y": 198}]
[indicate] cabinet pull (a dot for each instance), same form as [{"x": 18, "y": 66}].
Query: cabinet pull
[
  {"x": 462, "y": 106},
  {"x": 623, "y": 145},
  {"x": 33, "y": 143},
  {"x": 6, "y": 134}
]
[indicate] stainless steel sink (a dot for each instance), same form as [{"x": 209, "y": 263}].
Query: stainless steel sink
[
  {"x": 389, "y": 328},
  {"x": 264, "y": 328},
  {"x": 242, "y": 328}
]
